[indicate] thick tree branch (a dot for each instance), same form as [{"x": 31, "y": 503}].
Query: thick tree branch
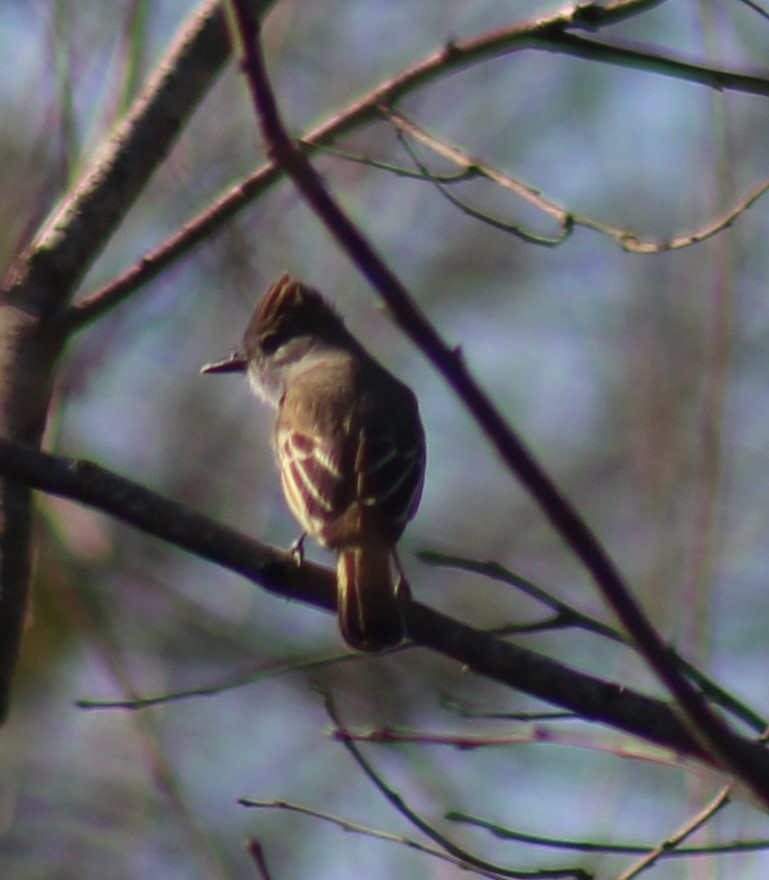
[
  {"x": 90, "y": 484},
  {"x": 590, "y": 697},
  {"x": 75, "y": 234},
  {"x": 44, "y": 277}
]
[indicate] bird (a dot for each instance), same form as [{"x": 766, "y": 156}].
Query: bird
[{"x": 349, "y": 445}]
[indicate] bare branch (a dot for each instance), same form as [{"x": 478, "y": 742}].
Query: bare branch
[
  {"x": 650, "y": 60},
  {"x": 566, "y": 220},
  {"x": 354, "y": 827},
  {"x": 525, "y": 192},
  {"x": 756, "y": 8},
  {"x": 565, "y": 519},
  {"x": 272, "y": 569},
  {"x": 538, "y": 33},
  {"x": 43, "y": 278},
  {"x": 237, "y": 680},
  {"x": 403, "y": 808},
  {"x": 592, "y": 698},
  {"x": 671, "y": 843},
  {"x": 504, "y": 833},
  {"x": 78, "y": 230},
  {"x": 572, "y": 617},
  {"x": 531, "y": 735}
]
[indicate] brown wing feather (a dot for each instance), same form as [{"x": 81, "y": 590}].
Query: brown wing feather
[
  {"x": 390, "y": 474},
  {"x": 313, "y": 480},
  {"x": 350, "y": 473}
]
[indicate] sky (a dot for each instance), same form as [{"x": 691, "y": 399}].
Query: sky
[{"x": 639, "y": 382}]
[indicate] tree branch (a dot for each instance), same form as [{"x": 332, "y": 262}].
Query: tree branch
[
  {"x": 77, "y": 231},
  {"x": 44, "y": 277},
  {"x": 423, "y": 825},
  {"x": 566, "y": 220},
  {"x": 565, "y": 519},
  {"x": 592, "y": 698},
  {"x": 541, "y": 33}
]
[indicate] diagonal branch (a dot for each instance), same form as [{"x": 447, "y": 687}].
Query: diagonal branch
[
  {"x": 592, "y": 698},
  {"x": 542, "y": 33},
  {"x": 425, "y": 827},
  {"x": 568, "y": 616},
  {"x": 79, "y": 228},
  {"x": 44, "y": 277},
  {"x": 673, "y": 841},
  {"x": 565, "y": 219},
  {"x": 355, "y": 828},
  {"x": 565, "y": 519},
  {"x": 651, "y": 60}
]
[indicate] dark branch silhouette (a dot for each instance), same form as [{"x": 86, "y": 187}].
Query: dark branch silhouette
[
  {"x": 565, "y": 519},
  {"x": 592, "y": 698}
]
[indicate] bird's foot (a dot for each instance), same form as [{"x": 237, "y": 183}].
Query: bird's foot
[{"x": 297, "y": 549}]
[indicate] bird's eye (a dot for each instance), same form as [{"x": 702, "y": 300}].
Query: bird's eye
[{"x": 272, "y": 341}]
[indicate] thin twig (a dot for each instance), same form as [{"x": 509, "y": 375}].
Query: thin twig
[
  {"x": 570, "y": 616},
  {"x": 251, "y": 676},
  {"x": 453, "y": 154},
  {"x": 566, "y": 220},
  {"x": 443, "y": 62},
  {"x": 256, "y": 851},
  {"x": 756, "y": 8},
  {"x": 484, "y": 217},
  {"x": 449, "y": 846},
  {"x": 353, "y": 827},
  {"x": 671, "y": 843},
  {"x": 538, "y": 734},
  {"x": 504, "y": 833},
  {"x": 641, "y": 57},
  {"x": 461, "y": 176}
]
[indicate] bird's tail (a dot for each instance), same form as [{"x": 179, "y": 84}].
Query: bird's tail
[{"x": 367, "y": 598}]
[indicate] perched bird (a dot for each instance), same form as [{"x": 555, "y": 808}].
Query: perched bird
[{"x": 349, "y": 445}]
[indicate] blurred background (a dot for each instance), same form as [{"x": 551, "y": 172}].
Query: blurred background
[{"x": 640, "y": 382}]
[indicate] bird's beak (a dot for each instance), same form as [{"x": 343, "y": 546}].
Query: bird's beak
[{"x": 235, "y": 363}]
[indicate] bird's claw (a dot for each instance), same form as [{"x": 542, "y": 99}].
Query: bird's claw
[{"x": 297, "y": 549}]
